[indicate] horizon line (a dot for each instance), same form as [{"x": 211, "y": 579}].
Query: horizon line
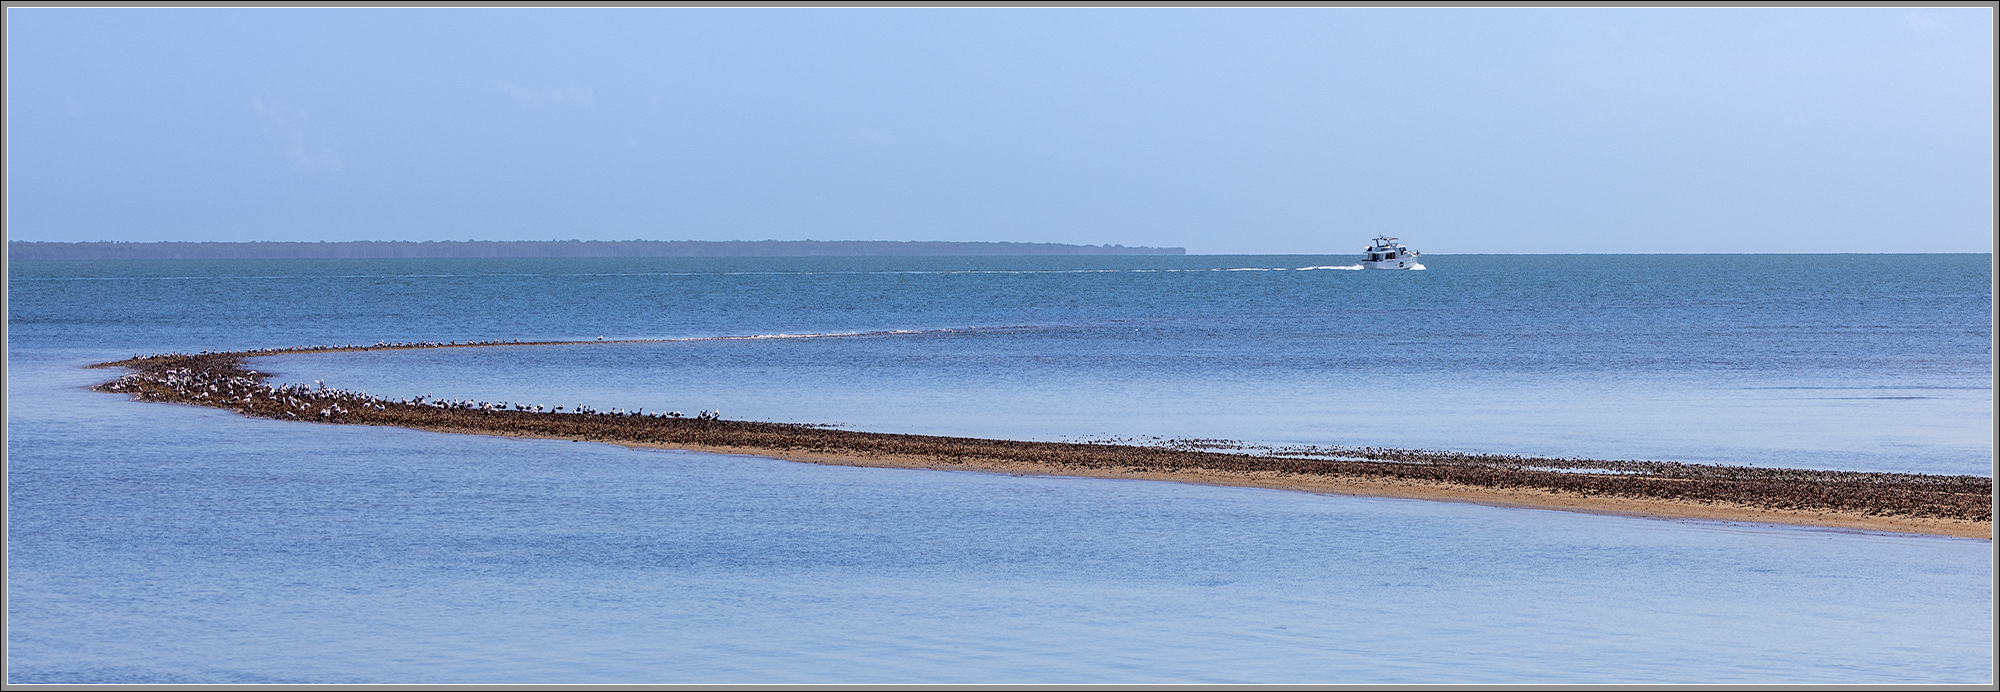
[{"x": 1184, "y": 252}]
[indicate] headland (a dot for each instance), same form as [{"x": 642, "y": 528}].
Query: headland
[
  {"x": 383, "y": 249},
  {"x": 1960, "y": 506}
]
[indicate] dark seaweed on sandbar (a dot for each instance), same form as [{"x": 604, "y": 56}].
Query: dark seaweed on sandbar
[{"x": 220, "y": 380}]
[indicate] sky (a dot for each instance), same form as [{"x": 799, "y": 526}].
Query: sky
[{"x": 1221, "y": 130}]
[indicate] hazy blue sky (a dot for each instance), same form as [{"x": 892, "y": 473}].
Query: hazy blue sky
[{"x": 1220, "y": 130}]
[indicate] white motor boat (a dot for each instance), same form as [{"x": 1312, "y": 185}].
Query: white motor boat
[{"x": 1386, "y": 253}]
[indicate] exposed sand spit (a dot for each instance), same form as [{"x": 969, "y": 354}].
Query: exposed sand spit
[{"x": 1910, "y": 503}]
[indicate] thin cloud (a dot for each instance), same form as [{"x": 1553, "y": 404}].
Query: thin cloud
[
  {"x": 1926, "y": 23},
  {"x": 287, "y": 125},
  {"x": 571, "y": 93}
]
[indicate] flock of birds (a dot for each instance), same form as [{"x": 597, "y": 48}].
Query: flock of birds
[
  {"x": 220, "y": 380},
  {"x": 230, "y": 386}
]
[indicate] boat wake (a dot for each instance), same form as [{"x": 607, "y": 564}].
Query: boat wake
[{"x": 827, "y": 335}]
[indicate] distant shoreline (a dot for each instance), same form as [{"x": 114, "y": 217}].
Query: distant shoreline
[
  {"x": 1959, "y": 506},
  {"x": 371, "y": 249},
  {"x": 34, "y": 250}
]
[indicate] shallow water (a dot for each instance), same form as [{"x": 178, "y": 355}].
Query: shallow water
[{"x": 152, "y": 543}]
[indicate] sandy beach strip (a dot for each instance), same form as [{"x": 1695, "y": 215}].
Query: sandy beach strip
[{"x": 1959, "y": 506}]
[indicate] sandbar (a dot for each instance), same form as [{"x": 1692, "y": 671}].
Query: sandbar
[{"x": 1958, "y": 506}]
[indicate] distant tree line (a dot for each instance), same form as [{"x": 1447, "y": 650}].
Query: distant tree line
[{"x": 36, "y": 250}]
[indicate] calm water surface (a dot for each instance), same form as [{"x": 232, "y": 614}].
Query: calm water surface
[{"x": 153, "y": 543}]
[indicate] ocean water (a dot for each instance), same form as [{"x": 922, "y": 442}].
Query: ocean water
[{"x": 152, "y": 543}]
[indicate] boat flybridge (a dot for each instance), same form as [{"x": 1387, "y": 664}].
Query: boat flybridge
[{"x": 1386, "y": 253}]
